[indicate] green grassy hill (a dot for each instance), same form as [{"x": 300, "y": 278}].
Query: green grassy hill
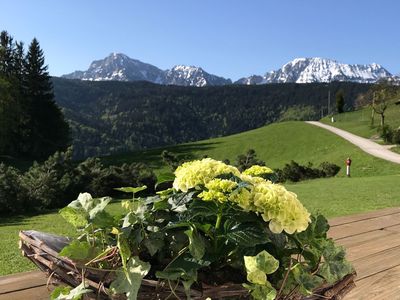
[
  {"x": 276, "y": 144},
  {"x": 359, "y": 121},
  {"x": 374, "y": 183}
]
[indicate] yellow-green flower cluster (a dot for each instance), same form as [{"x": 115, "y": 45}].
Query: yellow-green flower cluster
[
  {"x": 273, "y": 202},
  {"x": 198, "y": 173},
  {"x": 280, "y": 207},
  {"x": 257, "y": 171},
  {"x": 218, "y": 189}
]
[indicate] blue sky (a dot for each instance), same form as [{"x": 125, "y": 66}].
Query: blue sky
[{"x": 230, "y": 38}]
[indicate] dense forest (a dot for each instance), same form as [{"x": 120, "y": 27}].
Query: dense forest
[
  {"x": 31, "y": 124},
  {"x": 114, "y": 117}
]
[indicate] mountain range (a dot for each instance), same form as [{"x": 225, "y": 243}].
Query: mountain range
[{"x": 120, "y": 67}]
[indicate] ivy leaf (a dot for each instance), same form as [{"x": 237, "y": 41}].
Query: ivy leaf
[
  {"x": 98, "y": 206},
  {"x": 197, "y": 246},
  {"x": 245, "y": 234},
  {"x": 62, "y": 293},
  {"x": 128, "y": 281},
  {"x": 261, "y": 292},
  {"x": 79, "y": 251},
  {"x": 258, "y": 266},
  {"x": 335, "y": 265},
  {"x": 75, "y": 216},
  {"x": 154, "y": 242},
  {"x": 124, "y": 249},
  {"x": 306, "y": 281}
]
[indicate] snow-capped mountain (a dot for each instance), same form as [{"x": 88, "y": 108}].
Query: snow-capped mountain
[
  {"x": 306, "y": 70},
  {"x": 192, "y": 76},
  {"x": 120, "y": 67}
]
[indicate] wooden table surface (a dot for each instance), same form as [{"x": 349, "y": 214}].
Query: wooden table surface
[{"x": 372, "y": 241}]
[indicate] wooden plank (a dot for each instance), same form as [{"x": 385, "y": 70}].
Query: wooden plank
[
  {"x": 377, "y": 262},
  {"x": 362, "y": 238},
  {"x": 393, "y": 228},
  {"x": 22, "y": 281},
  {"x": 373, "y": 246},
  {"x": 363, "y": 216},
  {"x": 385, "y": 285},
  {"x": 37, "y": 293},
  {"x": 358, "y": 227}
]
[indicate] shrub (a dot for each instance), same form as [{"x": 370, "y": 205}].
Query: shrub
[
  {"x": 386, "y": 133},
  {"x": 396, "y": 136},
  {"x": 245, "y": 161},
  {"x": 10, "y": 187},
  {"x": 295, "y": 172}
]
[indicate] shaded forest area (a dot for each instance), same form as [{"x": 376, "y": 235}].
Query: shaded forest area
[{"x": 116, "y": 117}]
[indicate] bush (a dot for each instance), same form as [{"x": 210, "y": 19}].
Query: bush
[
  {"x": 10, "y": 187},
  {"x": 50, "y": 184},
  {"x": 59, "y": 180},
  {"x": 386, "y": 133},
  {"x": 295, "y": 172},
  {"x": 245, "y": 161},
  {"x": 396, "y": 136}
]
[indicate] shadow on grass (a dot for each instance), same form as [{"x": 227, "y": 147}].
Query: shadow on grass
[
  {"x": 152, "y": 157},
  {"x": 7, "y": 220}
]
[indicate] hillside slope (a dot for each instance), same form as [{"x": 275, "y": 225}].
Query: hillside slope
[{"x": 276, "y": 144}]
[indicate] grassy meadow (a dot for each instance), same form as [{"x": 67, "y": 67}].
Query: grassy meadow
[
  {"x": 373, "y": 185},
  {"x": 359, "y": 121}
]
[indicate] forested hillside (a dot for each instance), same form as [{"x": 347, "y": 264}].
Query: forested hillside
[{"x": 111, "y": 117}]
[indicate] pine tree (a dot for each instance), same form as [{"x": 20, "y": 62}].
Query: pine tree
[
  {"x": 340, "y": 101},
  {"x": 48, "y": 131}
]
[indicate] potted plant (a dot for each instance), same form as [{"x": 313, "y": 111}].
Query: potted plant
[{"x": 217, "y": 233}]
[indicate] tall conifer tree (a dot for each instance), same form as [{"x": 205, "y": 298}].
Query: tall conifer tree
[{"x": 49, "y": 131}]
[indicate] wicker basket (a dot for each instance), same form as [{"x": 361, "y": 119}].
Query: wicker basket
[{"x": 42, "y": 249}]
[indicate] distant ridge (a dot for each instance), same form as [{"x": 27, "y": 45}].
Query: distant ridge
[
  {"x": 120, "y": 67},
  {"x": 316, "y": 69}
]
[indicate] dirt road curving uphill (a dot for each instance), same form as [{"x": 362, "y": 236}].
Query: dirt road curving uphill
[{"x": 364, "y": 144}]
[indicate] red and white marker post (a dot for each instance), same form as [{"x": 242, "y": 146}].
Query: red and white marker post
[{"x": 348, "y": 164}]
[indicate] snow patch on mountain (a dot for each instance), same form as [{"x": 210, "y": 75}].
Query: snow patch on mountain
[{"x": 316, "y": 69}]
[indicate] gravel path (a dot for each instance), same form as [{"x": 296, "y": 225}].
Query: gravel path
[{"x": 364, "y": 144}]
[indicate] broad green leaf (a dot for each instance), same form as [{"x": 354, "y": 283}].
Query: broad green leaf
[
  {"x": 132, "y": 190},
  {"x": 258, "y": 266},
  {"x": 245, "y": 234},
  {"x": 196, "y": 243},
  {"x": 161, "y": 205},
  {"x": 306, "y": 281},
  {"x": 98, "y": 206},
  {"x": 60, "y": 291},
  {"x": 129, "y": 281},
  {"x": 70, "y": 294},
  {"x": 80, "y": 251},
  {"x": 76, "y": 217},
  {"x": 202, "y": 208}
]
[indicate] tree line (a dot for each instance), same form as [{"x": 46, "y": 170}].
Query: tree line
[
  {"x": 116, "y": 117},
  {"x": 31, "y": 124}
]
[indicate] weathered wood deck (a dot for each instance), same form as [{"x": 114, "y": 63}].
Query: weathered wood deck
[{"x": 372, "y": 241}]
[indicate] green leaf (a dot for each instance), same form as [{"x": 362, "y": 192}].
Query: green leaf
[
  {"x": 129, "y": 189},
  {"x": 306, "y": 281},
  {"x": 76, "y": 217},
  {"x": 203, "y": 208},
  {"x": 98, "y": 206},
  {"x": 124, "y": 249},
  {"x": 258, "y": 266},
  {"x": 154, "y": 242},
  {"x": 245, "y": 234},
  {"x": 70, "y": 294},
  {"x": 80, "y": 251},
  {"x": 197, "y": 246},
  {"x": 161, "y": 205},
  {"x": 129, "y": 281},
  {"x": 335, "y": 265},
  {"x": 262, "y": 292}
]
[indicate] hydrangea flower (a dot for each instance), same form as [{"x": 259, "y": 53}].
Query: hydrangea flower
[
  {"x": 197, "y": 173},
  {"x": 257, "y": 171}
]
